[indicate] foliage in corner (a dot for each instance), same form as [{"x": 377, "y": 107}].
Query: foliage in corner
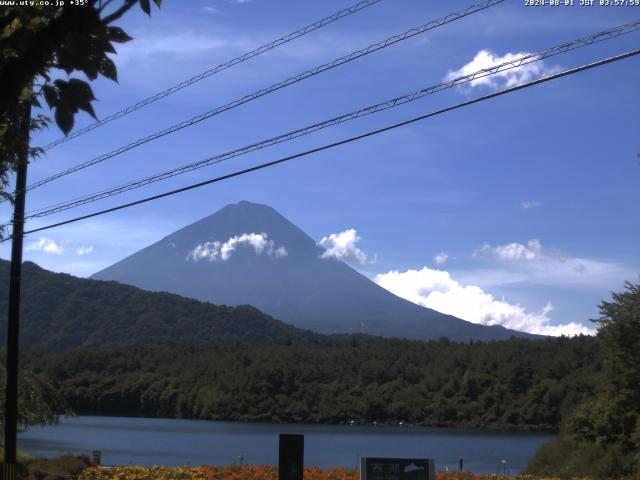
[
  {"x": 38, "y": 42},
  {"x": 602, "y": 435},
  {"x": 40, "y": 403}
]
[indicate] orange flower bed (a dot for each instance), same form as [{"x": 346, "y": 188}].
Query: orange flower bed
[
  {"x": 270, "y": 472},
  {"x": 257, "y": 472}
]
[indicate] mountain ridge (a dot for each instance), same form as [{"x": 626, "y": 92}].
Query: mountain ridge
[
  {"x": 61, "y": 311},
  {"x": 299, "y": 287}
]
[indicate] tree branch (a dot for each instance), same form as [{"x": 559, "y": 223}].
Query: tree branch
[{"x": 104, "y": 5}]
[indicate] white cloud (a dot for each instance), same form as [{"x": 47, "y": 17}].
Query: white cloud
[
  {"x": 82, "y": 250},
  {"x": 533, "y": 263},
  {"x": 160, "y": 55},
  {"x": 46, "y": 245},
  {"x": 503, "y": 78},
  {"x": 441, "y": 258},
  {"x": 214, "y": 251},
  {"x": 513, "y": 251},
  {"x": 554, "y": 272},
  {"x": 530, "y": 204},
  {"x": 112, "y": 239},
  {"x": 436, "y": 289},
  {"x": 280, "y": 252},
  {"x": 181, "y": 45},
  {"x": 342, "y": 246}
]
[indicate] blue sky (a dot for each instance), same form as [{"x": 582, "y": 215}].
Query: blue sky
[{"x": 520, "y": 211}]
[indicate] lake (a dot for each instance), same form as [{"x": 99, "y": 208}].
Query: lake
[{"x": 146, "y": 441}]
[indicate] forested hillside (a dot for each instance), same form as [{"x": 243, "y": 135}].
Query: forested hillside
[
  {"x": 61, "y": 311},
  {"x": 515, "y": 383}
]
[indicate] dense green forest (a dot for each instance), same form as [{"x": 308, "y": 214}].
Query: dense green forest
[
  {"x": 515, "y": 383},
  {"x": 61, "y": 311},
  {"x": 600, "y": 438}
]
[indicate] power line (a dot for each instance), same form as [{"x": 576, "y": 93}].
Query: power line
[
  {"x": 341, "y": 142},
  {"x": 277, "y": 86},
  {"x": 242, "y": 58},
  {"x": 388, "y": 104}
]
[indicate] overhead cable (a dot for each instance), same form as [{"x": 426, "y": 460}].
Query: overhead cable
[
  {"x": 385, "y": 105},
  {"x": 223, "y": 66},
  {"x": 277, "y": 86},
  {"x": 262, "y": 166}
]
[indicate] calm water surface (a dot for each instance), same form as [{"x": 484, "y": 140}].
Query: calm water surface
[{"x": 145, "y": 441}]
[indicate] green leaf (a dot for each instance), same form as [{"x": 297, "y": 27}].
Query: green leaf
[
  {"x": 80, "y": 95},
  {"x": 26, "y": 95},
  {"x": 116, "y": 34},
  {"x": 87, "y": 107},
  {"x": 82, "y": 87},
  {"x": 50, "y": 95},
  {"x": 104, "y": 44},
  {"x": 64, "y": 119},
  {"x": 108, "y": 69},
  {"x": 91, "y": 66},
  {"x": 73, "y": 95},
  {"x": 35, "y": 102},
  {"x": 146, "y": 7}
]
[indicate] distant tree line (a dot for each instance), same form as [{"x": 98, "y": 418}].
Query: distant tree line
[{"x": 516, "y": 383}]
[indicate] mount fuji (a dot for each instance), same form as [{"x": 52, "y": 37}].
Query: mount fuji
[{"x": 248, "y": 253}]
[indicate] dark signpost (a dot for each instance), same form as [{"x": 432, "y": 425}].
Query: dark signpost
[
  {"x": 396, "y": 469},
  {"x": 291, "y": 457}
]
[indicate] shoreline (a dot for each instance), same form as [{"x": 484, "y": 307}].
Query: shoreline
[{"x": 511, "y": 429}]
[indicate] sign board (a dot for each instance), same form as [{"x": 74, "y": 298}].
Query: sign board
[
  {"x": 396, "y": 469},
  {"x": 291, "y": 457}
]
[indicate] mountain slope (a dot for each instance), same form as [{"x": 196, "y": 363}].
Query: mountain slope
[
  {"x": 61, "y": 311},
  {"x": 300, "y": 288}
]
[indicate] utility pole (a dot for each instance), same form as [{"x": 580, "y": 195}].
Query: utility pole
[{"x": 13, "y": 324}]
